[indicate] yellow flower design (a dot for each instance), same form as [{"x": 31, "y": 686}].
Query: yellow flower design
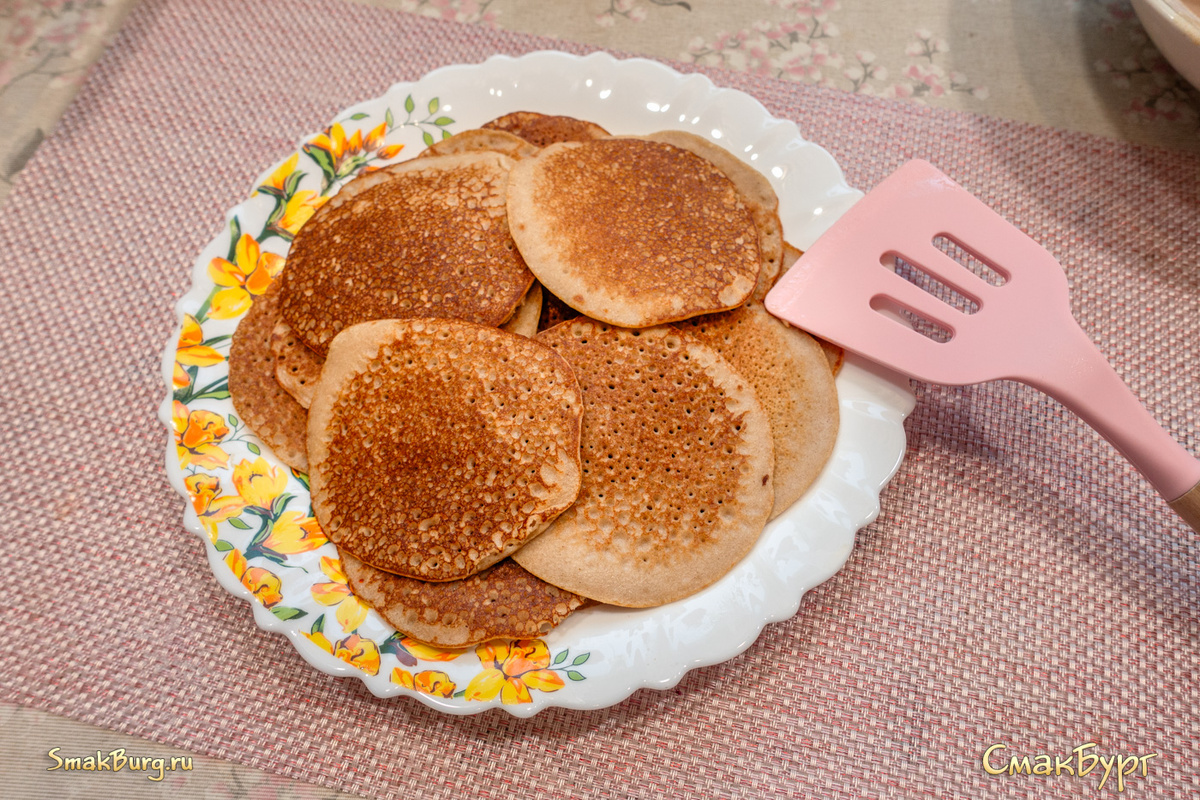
[
  {"x": 211, "y": 509},
  {"x": 197, "y": 434},
  {"x": 244, "y": 280},
  {"x": 427, "y": 682},
  {"x": 298, "y": 209},
  {"x": 264, "y": 584},
  {"x": 351, "y": 612},
  {"x": 191, "y": 353},
  {"x": 341, "y": 149},
  {"x": 354, "y": 649},
  {"x": 278, "y": 179},
  {"x": 291, "y": 534},
  {"x": 511, "y": 669},
  {"x": 258, "y": 483}
]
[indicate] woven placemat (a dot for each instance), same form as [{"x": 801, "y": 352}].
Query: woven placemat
[{"x": 1023, "y": 586}]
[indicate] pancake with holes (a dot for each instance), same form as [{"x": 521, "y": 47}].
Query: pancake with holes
[
  {"x": 633, "y": 232},
  {"x": 273, "y": 415},
  {"x": 502, "y": 602},
  {"x": 792, "y": 380},
  {"x": 423, "y": 238},
  {"x": 677, "y": 462},
  {"x": 756, "y": 192},
  {"x": 438, "y": 447},
  {"x": 477, "y": 139},
  {"x": 297, "y": 368},
  {"x": 546, "y": 129}
]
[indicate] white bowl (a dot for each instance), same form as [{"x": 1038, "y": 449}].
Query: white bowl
[{"x": 1174, "y": 25}]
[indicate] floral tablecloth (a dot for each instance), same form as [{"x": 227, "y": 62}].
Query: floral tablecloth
[{"x": 1082, "y": 65}]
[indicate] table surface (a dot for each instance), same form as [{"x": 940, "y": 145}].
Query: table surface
[{"x": 1080, "y": 66}]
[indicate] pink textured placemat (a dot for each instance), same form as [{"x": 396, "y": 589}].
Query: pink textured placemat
[{"x": 1022, "y": 586}]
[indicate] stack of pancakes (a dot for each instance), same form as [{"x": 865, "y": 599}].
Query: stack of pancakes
[{"x": 530, "y": 370}]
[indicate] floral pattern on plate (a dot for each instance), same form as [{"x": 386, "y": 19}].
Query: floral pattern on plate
[{"x": 255, "y": 514}]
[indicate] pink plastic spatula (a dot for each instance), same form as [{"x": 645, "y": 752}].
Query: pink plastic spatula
[{"x": 844, "y": 289}]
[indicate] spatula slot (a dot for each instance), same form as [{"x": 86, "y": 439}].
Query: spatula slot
[
  {"x": 921, "y": 278},
  {"x": 904, "y": 316},
  {"x": 982, "y": 269}
]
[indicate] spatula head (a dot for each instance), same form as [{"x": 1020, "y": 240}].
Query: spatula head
[{"x": 926, "y": 279}]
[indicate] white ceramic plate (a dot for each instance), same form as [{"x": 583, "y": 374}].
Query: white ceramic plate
[{"x": 254, "y": 514}]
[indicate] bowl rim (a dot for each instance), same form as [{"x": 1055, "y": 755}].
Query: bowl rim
[{"x": 1177, "y": 14}]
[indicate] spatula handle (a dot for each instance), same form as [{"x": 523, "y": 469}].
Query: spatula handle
[
  {"x": 1079, "y": 377},
  {"x": 1188, "y": 507}
]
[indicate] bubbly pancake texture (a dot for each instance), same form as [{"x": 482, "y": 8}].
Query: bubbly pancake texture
[
  {"x": 297, "y": 368},
  {"x": 633, "y": 232},
  {"x": 257, "y": 397},
  {"x": 503, "y": 601},
  {"x": 756, "y": 191},
  {"x": 437, "y": 447},
  {"x": 792, "y": 380},
  {"x": 424, "y": 238},
  {"x": 677, "y": 468},
  {"x": 546, "y": 129}
]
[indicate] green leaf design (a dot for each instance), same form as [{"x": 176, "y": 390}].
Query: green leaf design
[
  {"x": 409, "y": 105},
  {"x": 442, "y": 122},
  {"x": 433, "y": 105},
  {"x": 222, "y": 546},
  {"x": 561, "y": 657},
  {"x": 232, "y": 420},
  {"x": 428, "y": 137},
  {"x": 318, "y": 626},
  {"x": 323, "y": 160},
  {"x": 446, "y": 134},
  {"x": 358, "y": 116},
  {"x": 253, "y": 448},
  {"x": 389, "y": 119},
  {"x": 576, "y": 676},
  {"x": 235, "y": 233},
  {"x": 292, "y": 183},
  {"x": 284, "y": 612},
  {"x": 236, "y": 522},
  {"x": 581, "y": 659},
  {"x": 460, "y": 693}
]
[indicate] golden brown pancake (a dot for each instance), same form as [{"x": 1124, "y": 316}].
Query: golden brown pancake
[
  {"x": 437, "y": 447},
  {"x": 502, "y": 602},
  {"x": 633, "y": 232},
  {"x": 477, "y": 139},
  {"x": 545, "y": 129},
  {"x": 834, "y": 354},
  {"x": 423, "y": 238},
  {"x": 257, "y": 397},
  {"x": 677, "y": 461},
  {"x": 793, "y": 382},
  {"x": 524, "y": 320},
  {"x": 297, "y": 368},
  {"x": 756, "y": 191}
]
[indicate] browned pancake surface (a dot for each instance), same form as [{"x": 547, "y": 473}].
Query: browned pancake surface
[
  {"x": 792, "y": 380},
  {"x": 633, "y": 232},
  {"x": 424, "y": 238},
  {"x": 257, "y": 397},
  {"x": 546, "y": 129},
  {"x": 297, "y": 368},
  {"x": 504, "y": 601},
  {"x": 437, "y": 447},
  {"x": 677, "y": 462},
  {"x": 756, "y": 191}
]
